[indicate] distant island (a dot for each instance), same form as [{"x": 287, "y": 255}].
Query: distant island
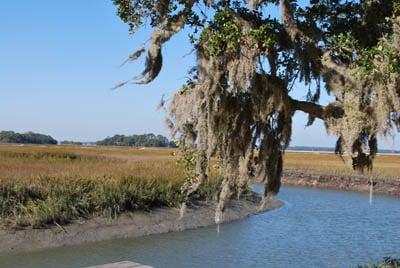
[
  {"x": 25, "y": 138},
  {"x": 144, "y": 140}
]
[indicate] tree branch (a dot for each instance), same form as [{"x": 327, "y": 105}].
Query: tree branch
[
  {"x": 313, "y": 109},
  {"x": 334, "y": 109},
  {"x": 291, "y": 27},
  {"x": 154, "y": 60}
]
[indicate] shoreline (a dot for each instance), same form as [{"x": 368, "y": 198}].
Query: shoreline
[
  {"x": 164, "y": 220},
  {"x": 354, "y": 183},
  {"x": 127, "y": 225}
]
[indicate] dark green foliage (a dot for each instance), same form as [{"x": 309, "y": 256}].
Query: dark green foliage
[
  {"x": 225, "y": 33},
  {"x": 26, "y": 138},
  {"x": 135, "y": 12},
  {"x": 145, "y": 140}
]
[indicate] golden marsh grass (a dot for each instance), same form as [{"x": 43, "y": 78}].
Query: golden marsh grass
[
  {"x": 41, "y": 185},
  {"x": 385, "y": 166}
]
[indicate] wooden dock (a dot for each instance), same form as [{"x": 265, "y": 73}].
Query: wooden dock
[{"x": 122, "y": 264}]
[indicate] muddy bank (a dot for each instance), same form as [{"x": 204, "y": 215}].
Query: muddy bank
[
  {"x": 128, "y": 225},
  {"x": 342, "y": 182}
]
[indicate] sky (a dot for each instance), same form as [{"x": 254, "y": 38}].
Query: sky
[{"x": 60, "y": 59}]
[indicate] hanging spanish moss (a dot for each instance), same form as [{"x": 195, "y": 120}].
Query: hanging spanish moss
[{"x": 237, "y": 105}]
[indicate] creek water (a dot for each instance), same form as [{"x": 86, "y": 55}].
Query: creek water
[{"x": 315, "y": 228}]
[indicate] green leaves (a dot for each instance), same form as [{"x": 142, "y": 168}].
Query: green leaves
[
  {"x": 222, "y": 34},
  {"x": 263, "y": 36},
  {"x": 136, "y": 12},
  {"x": 344, "y": 46},
  {"x": 396, "y": 9},
  {"x": 372, "y": 59}
]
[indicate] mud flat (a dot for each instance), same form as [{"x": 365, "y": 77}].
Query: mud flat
[
  {"x": 342, "y": 182},
  {"x": 128, "y": 225}
]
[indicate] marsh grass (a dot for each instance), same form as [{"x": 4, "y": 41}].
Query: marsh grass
[
  {"x": 41, "y": 186},
  {"x": 47, "y": 200},
  {"x": 385, "y": 166},
  {"x": 46, "y": 185}
]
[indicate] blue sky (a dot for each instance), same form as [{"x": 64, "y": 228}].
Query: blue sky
[{"x": 60, "y": 59}]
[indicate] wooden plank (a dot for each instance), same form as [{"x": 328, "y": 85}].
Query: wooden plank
[{"x": 122, "y": 264}]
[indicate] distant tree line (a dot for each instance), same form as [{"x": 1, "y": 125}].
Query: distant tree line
[
  {"x": 144, "y": 140},
  {"x": 71, "y": 143},
  {"x": 25, "y": 138}
]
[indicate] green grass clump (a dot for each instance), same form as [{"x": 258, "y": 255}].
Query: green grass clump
[{"x": 45, "y": 201}]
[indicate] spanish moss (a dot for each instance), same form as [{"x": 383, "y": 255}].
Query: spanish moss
[{"x": 237, "y": 107}]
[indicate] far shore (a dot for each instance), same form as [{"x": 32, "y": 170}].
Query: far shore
[
  {"x": 127, "y": 225},
  {"x": 355, "y": 183}
]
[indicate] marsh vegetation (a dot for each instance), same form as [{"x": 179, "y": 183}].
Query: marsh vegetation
[
  {"x": 42, "y": 185},
  {"x": 45, "y": 185}
]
